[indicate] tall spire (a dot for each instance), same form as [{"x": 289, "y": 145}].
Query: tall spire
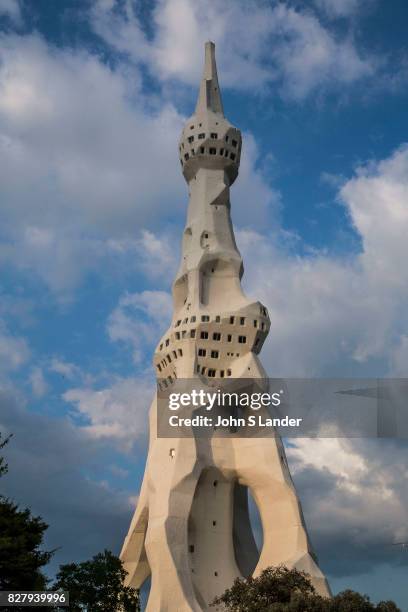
[{"x": 209, "y": 97}]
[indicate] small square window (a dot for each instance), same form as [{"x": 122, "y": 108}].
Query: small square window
[
  {"x": 242, "y": 339},
  {"x": 214, "y": 135},
  {"x": 213, "y": 151},
  {"x": 217, "y": 319},
  {"x": 214, "y": 354},
  {"x": 202, "y": 150},
  {"x": 234, "y": 143},
  {"x": 204, "y": 335},
  {"x": 192, "y": 333},
  {"x": 216, "y": 336},
  {"x": 211, "y": 373},
  {"x": 201, "y": 136},
  {"x": 193, "y": 319},
  {"x": 202, "y": 352},
  {"x": 167, "y": 342},
  {"x": 191, "y": 139},
  {"x": 191, "y": 127},
  {"x": 229, "y": 372},
  {"x": 232, "y": 156},
  {"x": 205, "y": 318}
]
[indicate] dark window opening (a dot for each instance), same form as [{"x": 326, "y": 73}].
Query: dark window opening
[
  {"x": 175, "y": 354},
  {"x": 211, "y": 373},
  {"x": 226, "y": 153},
  {"x": 213, "y": 151},
  {"x": 234, "y": 143},
  {"x": 232, "y": 320},
  {"x": 202, "y": 150},
  {"x": 232, "y": 156},
  {"x": 216, "y": 336},
  {"x": 226, "y": 138},
  {"x": 242, "y": 321},
  {"x": 214, "y": 135},
  {"x": 193, "y": 319},
  {"x": 202, "y": 352},
  {"x": 217, "y": 319},
  {"x": 203, "y": 370},
  {"x": 169, "y": 358},
  {"x": 204, "y": 335},
  {"x": 222, "y": 373},
  {"x": 214, "y": 523},
  {"x": 215, "y": 483},
  {"x": 263, "y": 326},
  {"x": 192, "y": 333},
  {"x": 205, "y": 318},
  {"x": 191, "y": 548},
  {"x": 221, "y": 151},
  {"x": 167, "y": 342},
  {"x": 177, "y": 335},
  {"x": 205, "y": 235},
  {"x": 159, "y": 367},
  {"x": 186, "y": 156},
  {"x": 229, "y": 338},
  {"x": 191, "y": 139},
  {"x": 201, "y": 136},
  {"x": 180, "y": 352},
  {"x": 214, "y": 354},
  {"x": 255, "y": 322},
  {"x": 242, "y": 339},
  {"x": 229, "y": 372}
]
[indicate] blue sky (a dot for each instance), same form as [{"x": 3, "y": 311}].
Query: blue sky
[{"x": 93, "y": 96}]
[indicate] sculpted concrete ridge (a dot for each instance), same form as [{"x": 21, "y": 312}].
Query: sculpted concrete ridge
[{"x": 191, "y": 530}]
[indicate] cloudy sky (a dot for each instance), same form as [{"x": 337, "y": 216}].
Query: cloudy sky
[{"x": 93, "y": 95}]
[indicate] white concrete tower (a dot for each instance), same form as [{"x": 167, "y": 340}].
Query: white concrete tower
[{"x": 191, "y": 530}]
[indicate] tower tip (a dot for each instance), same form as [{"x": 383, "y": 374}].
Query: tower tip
[{"x": 209, "y": 97}]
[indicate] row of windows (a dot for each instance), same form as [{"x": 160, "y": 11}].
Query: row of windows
[
  {"x": 167, "y": 360},
  {"x": 216, "y": 335},
  {"x": 211, "y": 151},
  {"x": 206, "y": 318},
  {"x": 212, "y": 373},
  {"x": 213, "y": 136}
]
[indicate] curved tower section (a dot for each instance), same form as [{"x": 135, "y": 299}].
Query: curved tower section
[{"x": 191, "y": 529}]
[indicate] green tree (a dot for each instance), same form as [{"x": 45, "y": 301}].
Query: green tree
[
  {"x": 97, "y": 585},
  {"x": 279, "y": 589},
  {"x": 21, "y": 536}
]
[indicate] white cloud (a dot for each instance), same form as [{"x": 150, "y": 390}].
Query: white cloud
[
  {"x": 38, "y": 383},
  {"x": 337, "y": 316},
  {"x": 11, "y": 9},
  {"x": 64, "y": 368},
  {"x": 275, "y": 44},
  {"x": 342, "y": 8},
  {"x": 14, "y": 350},
  {"x": 139, "y": 319},
  {"x": 354, "y": 484},
  {"x": 118, "y": 412}
]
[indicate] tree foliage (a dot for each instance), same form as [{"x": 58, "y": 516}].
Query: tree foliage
[
  {"x": 97, "y": 585},
  {"x": 21, "y": 536},
  {"x": 279, "y": 589}
]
